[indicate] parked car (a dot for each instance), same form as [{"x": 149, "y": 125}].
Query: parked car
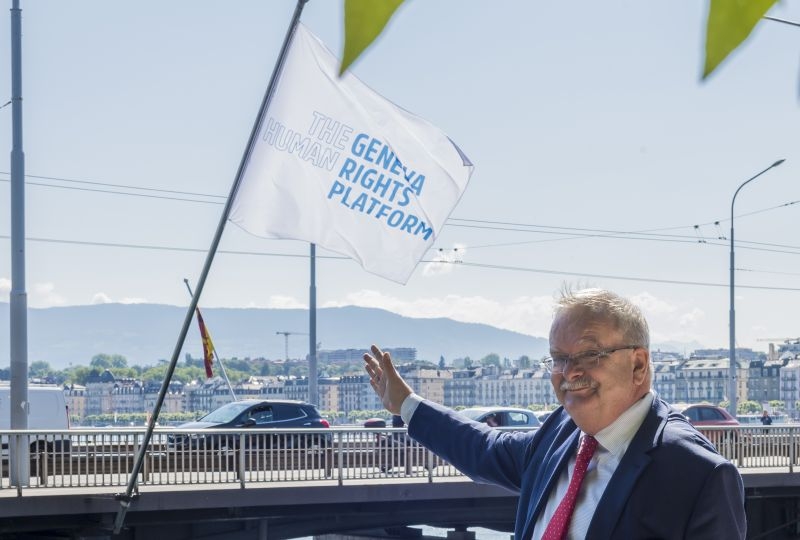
[
  {"x": 542, "y": 415},
  {"x": 374, "y": 423},
  {"x": 255, "y": 414},
  {"x": 502, "y": 416},
  {"x": 703, "y": 415}
]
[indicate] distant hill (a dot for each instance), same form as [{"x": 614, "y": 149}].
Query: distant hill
[{"x": 145, "y": 333}]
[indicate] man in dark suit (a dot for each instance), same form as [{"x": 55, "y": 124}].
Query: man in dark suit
[{"x": 642, "y": 470}]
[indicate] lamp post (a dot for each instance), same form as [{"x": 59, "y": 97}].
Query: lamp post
[{"x": 732, "y": 324}]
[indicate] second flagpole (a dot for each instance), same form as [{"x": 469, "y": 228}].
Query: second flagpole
[{"x": 214, "y": 351}]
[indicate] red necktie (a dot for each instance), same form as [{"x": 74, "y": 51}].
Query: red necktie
[{"x": 559, "y": 523}]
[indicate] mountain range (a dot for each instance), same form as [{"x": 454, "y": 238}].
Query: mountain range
[{"x": 146, "y": 333}]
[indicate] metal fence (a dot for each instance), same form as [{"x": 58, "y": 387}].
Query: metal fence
[{"x": 105, "y": 457}]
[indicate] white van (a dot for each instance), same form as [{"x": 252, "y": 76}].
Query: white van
[{"x": 47, "y": 411}]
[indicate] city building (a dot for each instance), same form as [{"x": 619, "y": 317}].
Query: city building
[
  {"x": 763, "y": 383},
  {"x": 706, "y": 379},
  {"x": 356, "y": 393},
  {"x": 174, "y": 399},
  {"x": 460, "y": 389},
  {"x": 75, "y": 397},
  {"x": 701, "y": 378},
  {"x": 790, "y": 387},
  {"x": 664, "y": 377},
  {"x": 98, "y": 393},
  {"x": 428, "y": 383}
]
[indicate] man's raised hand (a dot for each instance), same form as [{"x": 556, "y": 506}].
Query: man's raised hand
[{"x": 385, "y": 380}]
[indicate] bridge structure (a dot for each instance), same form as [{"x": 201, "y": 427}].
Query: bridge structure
[{"x": 265, "y": 484}]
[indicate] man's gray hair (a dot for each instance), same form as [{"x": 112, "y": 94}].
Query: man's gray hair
[{"x": 600, "y": 304}]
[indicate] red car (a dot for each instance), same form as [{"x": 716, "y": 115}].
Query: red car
[{"x": 703, "y": 414}]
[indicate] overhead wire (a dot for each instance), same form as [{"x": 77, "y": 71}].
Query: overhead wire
[
  {"x": 487, "y": 224},
  {"x": 563, "y": 232},
  {"x": 595, "y": 233},
  {"x": 434, "y": 261}
]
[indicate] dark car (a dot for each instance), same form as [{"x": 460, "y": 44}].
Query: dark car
[
  {"x": 503, "y": 416},
  {"x": 255, "y": 414},
  {"x": 374, "y": 423}
]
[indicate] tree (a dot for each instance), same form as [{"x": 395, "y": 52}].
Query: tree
[
  {"x": 39, "y": 369},
  {"x": 100, "y": 361},
  {"x": 748, "y": 407},
  {"x": 240, "y": 364},
  {"x": 777, "y": 405},
  {"x": 78, "y": 374},
  {"x": 441, "y": 362},
  {"x": 118, "y": 361},
  {"x": 109, "y": 361},
  {"x": 182, "y": 373},
  {"x": 524, "y": 362},
  {"x": 491, "y": 359}
]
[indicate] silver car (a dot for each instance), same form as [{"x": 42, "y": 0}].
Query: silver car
[{"x": 503, "y": 416}]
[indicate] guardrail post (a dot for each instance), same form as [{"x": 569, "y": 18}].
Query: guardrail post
[
  {"x": 340, "y": 456},
  {"x": 41, "y": 457},
  {"x": 240, "y": 465},
  {"x": 429, "y": 457},
  {"x": 792, "y": 450},
  {"x": 136, "y": 445}
]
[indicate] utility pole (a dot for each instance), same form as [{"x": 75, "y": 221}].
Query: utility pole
[
  {"x": 732, "y": 385},
  {"x": 19, "y": 474}
]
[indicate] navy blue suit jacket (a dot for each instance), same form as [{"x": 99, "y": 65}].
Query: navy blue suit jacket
[{"x": 671, "y": 482}]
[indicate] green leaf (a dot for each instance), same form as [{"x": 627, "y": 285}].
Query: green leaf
[
  {"x": 364, "y": 20},
  {"x": 729, "y": 24}
]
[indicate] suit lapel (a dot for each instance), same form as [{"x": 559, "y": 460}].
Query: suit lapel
[
  {"x": 564, "y": 446},
  {"x": 634, "y": 462}
]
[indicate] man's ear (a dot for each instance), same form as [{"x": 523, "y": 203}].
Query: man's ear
[{"x": 641, "y": 365}]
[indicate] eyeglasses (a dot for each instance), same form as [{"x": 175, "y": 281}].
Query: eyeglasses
[{"x": 583, "y": 360}]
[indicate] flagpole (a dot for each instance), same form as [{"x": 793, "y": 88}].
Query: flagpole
[
  {"x": 214, "y": 352},
  {"x": 126, "y": 498},
  {"x": 313, "y": 391}
]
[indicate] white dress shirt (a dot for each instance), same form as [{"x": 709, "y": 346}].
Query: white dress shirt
[{"x": 613, "y": 442}]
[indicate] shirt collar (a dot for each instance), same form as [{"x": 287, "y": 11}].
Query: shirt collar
[{"x": 616, "y": 437}]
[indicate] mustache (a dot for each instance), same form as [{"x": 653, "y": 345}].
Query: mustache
[{"x": 578, "y": 384}]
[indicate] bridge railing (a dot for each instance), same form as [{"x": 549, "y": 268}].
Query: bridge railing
[{"x": 105, "y": 457}]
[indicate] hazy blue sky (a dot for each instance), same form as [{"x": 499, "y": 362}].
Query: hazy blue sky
[{"x": 596, "y": 148}]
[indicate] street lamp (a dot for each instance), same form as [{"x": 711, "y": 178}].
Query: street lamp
[{"x": 732, "y": 355}]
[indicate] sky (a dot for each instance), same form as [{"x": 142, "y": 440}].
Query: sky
[{"x": 601, "y": 159}]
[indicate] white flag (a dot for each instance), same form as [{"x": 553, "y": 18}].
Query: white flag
[{"x": 336, "y": 164}]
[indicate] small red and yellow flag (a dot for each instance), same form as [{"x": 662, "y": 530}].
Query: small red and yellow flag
[{"x": 208, "y": 345}]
